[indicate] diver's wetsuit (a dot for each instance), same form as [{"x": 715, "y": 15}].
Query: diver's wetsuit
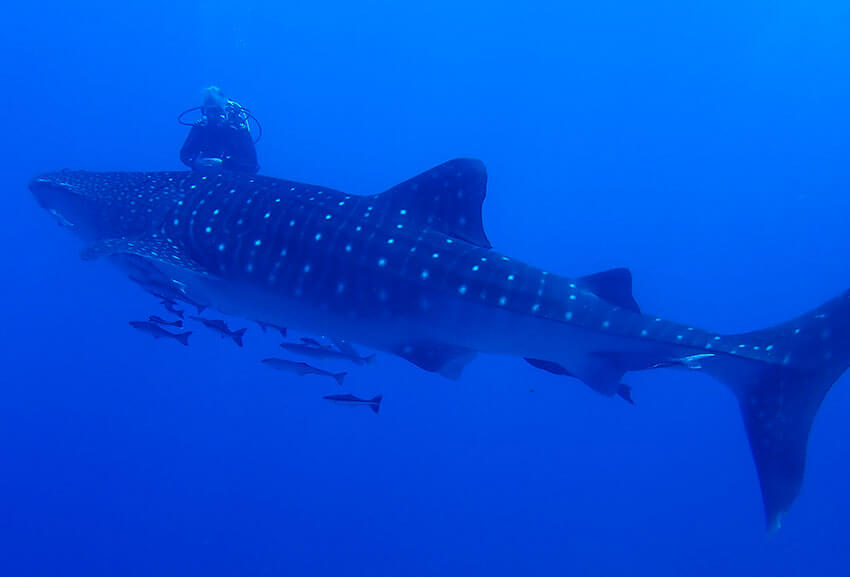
[{"x": 232, "y": 144}]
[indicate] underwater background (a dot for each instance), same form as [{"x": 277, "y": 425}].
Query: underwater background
[{"x": 703, "y": 145}]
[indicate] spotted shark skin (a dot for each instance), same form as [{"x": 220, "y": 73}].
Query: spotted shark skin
[{"x": 410, "y": 271}]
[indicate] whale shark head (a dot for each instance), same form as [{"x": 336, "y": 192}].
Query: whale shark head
[
  {"x": 66, "y": 197},
  {"x": 101, "y": 205}
]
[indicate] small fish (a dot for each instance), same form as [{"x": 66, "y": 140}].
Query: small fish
[
  {"x": 325, "y": 353},
  {"x": 221, "y": 328},
  {"x": 163, "y": 298},
  {"x": 158, "y": 332},
  {"x": 166, "y": 290},
  {"x": 169, "y": 306},
  {"x": 160, "y": 321},
  {"x": 301, "y": 369},
  {"x": 183, "y": 298},
  {"x": 265, "y": 326},
  {"x": 345, "y": 347},
  {"x": 313, "y": 342},
  {"x": 347, "y": 399}
]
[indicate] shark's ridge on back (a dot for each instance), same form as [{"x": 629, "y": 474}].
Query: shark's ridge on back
[{"x": 410, "y": 271}]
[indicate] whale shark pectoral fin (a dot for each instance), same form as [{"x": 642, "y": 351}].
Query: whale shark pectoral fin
[
  {"x": 614, "y": 286},
  {"x": 161, "y": 251},
  {"x": 434, "y": 357},
  {"x": 447, "y": 199}
]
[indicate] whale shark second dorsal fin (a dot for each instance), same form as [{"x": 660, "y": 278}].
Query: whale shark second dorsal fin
[
  {"x": 446, "y": 199},
  {"x": 614, "y": 286}
]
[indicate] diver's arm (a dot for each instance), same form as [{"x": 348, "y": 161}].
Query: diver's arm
[
  {"x": 244, "y": 155},
  {"x": 192, "y": 147}
]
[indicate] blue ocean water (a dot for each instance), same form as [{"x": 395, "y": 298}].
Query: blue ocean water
[{"x": 704, "y": 147}]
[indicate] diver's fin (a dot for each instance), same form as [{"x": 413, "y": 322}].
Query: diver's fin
[
  {"x": 153, "y": 249},
  {"x": 780, "y": 393},
  {"x": 614, "y": 286},
  {"x": 447, "y": 199},
  {"x": 447, "y": 360}
]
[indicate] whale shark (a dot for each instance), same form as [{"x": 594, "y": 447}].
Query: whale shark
[{"x": 410, "y": 272}]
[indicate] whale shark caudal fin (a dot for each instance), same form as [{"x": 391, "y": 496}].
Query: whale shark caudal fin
[{"x": 780, "y": 395}]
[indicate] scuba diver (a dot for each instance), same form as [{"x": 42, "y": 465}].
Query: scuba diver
[{"x": 221, "y": 138}]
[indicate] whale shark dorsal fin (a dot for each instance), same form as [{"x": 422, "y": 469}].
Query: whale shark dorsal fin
[
  {"x": 159, "y": 250},
  {"x": 614, "y": 286},
  {"x": 446, "y": 199}
]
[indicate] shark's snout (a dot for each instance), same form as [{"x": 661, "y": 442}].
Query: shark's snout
[
  {"x": 47, "y": 188},
  {"x": 66, "y": 202}
]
